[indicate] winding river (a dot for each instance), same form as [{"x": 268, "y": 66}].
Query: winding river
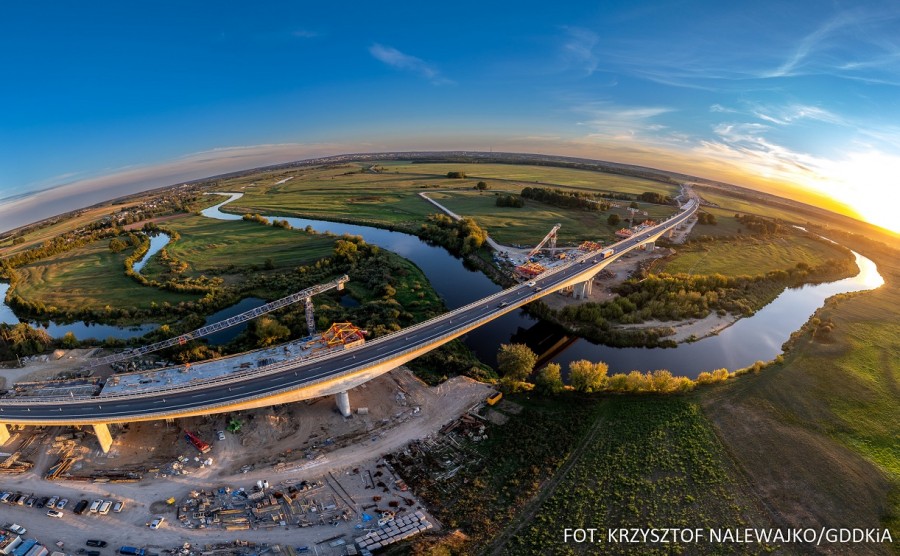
[{"x": 749, "y": 339}]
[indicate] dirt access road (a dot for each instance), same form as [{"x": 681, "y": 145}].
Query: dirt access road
[{"x": 438, "y": 406}]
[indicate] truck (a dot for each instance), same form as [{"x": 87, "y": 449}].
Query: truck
[
  {"x": 196, "y": 441},
  {"x": 606, "y": 253},
  {"x": 132, "y": 551}
]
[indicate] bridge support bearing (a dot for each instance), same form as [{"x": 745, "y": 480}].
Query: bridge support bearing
[
  {"x": 583, "y": 290},
  {"x": 343, "y": 403},
  {"x": 4, "y": 433},
  {"x": 103, "y": 437}
]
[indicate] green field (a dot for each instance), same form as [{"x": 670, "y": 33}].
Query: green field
[
  {"x": 828, "y": 414},
  {"x": 391, "y": 196},
  {"x": 218, "y": 247},
  {"x": 732, "y": 204},
  {"x": 654, "y": 462},
  {"x": 521, "y": 175},
  {"x": 90, "y": 277},
  {"x": 529, "y": 224},
  {"x": 342, "y": 192},
  {"x": 749, "y": 256}
]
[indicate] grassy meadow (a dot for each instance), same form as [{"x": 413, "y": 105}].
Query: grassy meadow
[
  {"x": 749, "y": 256},
  {"x": 217, "y": 247},
  {"x": 390, "y": 197},
  {"x": 90, "y": 277},
  {"x": 529, "y": 224},
  {"x": 828, "y": 415},
  {"x": 654, "y": 462}
]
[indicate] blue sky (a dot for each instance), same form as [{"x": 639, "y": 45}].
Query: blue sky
[{"x": 793, "y": 97}]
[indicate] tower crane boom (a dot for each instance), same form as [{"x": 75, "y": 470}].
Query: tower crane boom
[{"x": 551, "y": 237}]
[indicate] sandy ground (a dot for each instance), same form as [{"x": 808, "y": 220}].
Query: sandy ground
[
  {"x": 437, "y": 406},
  {"x": 44, "y": 367},
  {"x": 711, "y": 325}
]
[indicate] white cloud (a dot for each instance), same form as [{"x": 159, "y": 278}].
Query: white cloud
[
  {"x": 578, "y": 49},
  {"x": 621, "y": 122},
  {"x": 396, "y": 59}
]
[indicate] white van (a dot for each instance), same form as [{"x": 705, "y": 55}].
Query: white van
[
  {"x": 95, "y": 505},
  {"x": 104, "y": 507}
]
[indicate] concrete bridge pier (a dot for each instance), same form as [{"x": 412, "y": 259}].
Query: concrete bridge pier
[
  {"x": 4, "y": 434},
  {"x": 584, "y": 289},
  {"x": 103, "y": 436},
  {"x": 343, "y": 403},
  {"x": 649, "y": 246}
]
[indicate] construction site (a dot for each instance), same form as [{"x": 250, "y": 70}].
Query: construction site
[{"x": 257, "y": 473}]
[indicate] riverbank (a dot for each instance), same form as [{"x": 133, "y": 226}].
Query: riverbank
[{"x": 688, "y": 330}]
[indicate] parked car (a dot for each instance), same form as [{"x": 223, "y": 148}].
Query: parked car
[
  {"x": 30, "y": 502},
  {"x": 95, "y": 505},
  {"x": 20, "y": 499},
  {"x": 81, "y": 506},
  {"x": 42, "y": 502},
  {"x": 118, "y": 506},
  {"x": 52, "y": 502},
  {"x": 62, "y": 503},
  {"x": 92, "y": 553},
  {"x": 97, "y": 543},
  {"x": 5, "y": 496},
  {"x": 104, "y": 507},
  {"x": 220, "y": 435},
  {"x": 156, "y": 523},
  {"x": 54, "y": 513},
  {"x": 17, "y": 529}
]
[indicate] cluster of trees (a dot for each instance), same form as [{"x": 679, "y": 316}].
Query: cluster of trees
[
  {"x": 255, "y": 218},
  {"x": 456, "y": 175},
  {"x": 706, "y": 218},
  {"x": 123, "y": 242},
  {"x": 22, "y": 340},
  {"x": 653, "y": 197},
  {"x": 565, "y": 199},
  {"x": 513, "y": 201},
  {"x": 614, "y": 219},
  {"x": 460, "y": 237},
  {"x": 759, "y": 225},
  {"x": 516, "y": 363},
  {"x": 481, "y": 186},
  {"x": 682, "y": 296}
]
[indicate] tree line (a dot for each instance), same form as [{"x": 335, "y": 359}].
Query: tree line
[
  {"x": 565, "y": 199},
  {"x": 516, "y": 362},
  {"x": 460, "y": 237}
]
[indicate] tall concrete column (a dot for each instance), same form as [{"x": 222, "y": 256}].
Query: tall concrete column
[
  {"x": 103, "y": 437},
  {"x": 343, "y": 403},
  {"x": 4, "y": 433},
  {"x": 584, "y": 289}
]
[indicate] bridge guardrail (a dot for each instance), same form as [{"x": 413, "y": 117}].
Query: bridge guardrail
[{"x": 292, "y": 364}]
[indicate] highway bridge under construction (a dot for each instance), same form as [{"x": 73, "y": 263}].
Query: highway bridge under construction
[{"x": 314, "y": 373}]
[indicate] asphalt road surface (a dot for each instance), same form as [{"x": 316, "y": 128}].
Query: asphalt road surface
[{"x": 293, "y": 376}]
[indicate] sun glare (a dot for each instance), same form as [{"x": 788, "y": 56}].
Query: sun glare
[{"x": 869, "y": 183}]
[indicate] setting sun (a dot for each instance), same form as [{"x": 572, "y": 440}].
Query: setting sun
[{"x": 867, "y": 183}]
